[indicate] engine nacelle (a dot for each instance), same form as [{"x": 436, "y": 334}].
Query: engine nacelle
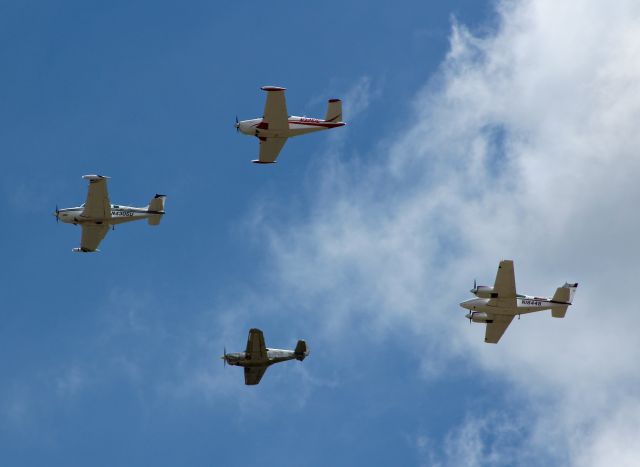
[
  {"x": 484, "y": 291},
  {"x": 481, "y": 317}
]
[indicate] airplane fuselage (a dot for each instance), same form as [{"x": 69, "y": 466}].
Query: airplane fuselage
[
  {"x": 119, "y": 215},
  {"x": 524, "y": 304},
  {"x": 273, "y": 356},
  {"x": 297, "y": 126}
]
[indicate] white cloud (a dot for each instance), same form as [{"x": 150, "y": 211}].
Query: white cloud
[{"x": 525, "y": 146}]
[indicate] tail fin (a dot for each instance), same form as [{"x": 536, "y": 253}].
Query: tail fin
[
  {"x": 301, "y": 350},
  {"x": 334, "y": 111},
  {"x": 563, "y": 298},
  {"x": 156, "y": 207}
]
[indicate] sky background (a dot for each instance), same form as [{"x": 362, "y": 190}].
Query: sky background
[{"x": 477, "y": 131}]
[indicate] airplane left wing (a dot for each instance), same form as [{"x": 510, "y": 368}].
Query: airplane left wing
[
  {"x": 92, "y": 235},
  {"x": 504, "y": 286},
  {"x": 275, "y": 109},
  {"x": 253, "y": 375},
  {"x": 269, "y": 149},
  {"x": 97, "y": 205},
  {"x": 496, "y": 329},
  {"x": 256, "y": 349}
]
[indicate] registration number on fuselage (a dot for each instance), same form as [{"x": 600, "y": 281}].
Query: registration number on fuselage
[
  {"x": 532, "y": 302},
  {"x": 121, "y": 213}
]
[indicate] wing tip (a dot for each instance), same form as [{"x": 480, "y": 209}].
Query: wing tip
[
  {"x": 258, "y": 161},
  {"x": 84, "y": 250}
]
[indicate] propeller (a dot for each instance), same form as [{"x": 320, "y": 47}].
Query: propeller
[
  {"x": 57, "y": 214},
  {"x": 225, "y": 356},
  {"x": 475, "y": 287},
  {"x": 237, "y": 124}
]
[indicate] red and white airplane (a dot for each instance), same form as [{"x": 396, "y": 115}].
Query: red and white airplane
[{"x": 276, "y": 125}]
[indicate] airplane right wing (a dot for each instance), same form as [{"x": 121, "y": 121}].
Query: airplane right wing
[
  {"x": 253, "y": 374},
  {"x": 275, "y": 109},
  {"x": 256, "y": 349},
  {"x": 92, "y": 235},
  {"x": 97, "y": 205},
  {"x": 496, "y": 329},
  {"x": 269, "y": 149}
]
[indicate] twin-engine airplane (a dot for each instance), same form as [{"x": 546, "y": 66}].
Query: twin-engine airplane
[
  {"x": 496, "y": 306},
  {"x": 276, "y": 125},
  {"x": 257, "y": 358},
  {"x": 97, "y": 214}
]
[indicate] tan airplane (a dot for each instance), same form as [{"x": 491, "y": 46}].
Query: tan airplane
[
  {"x": 96, "y": 215},
  {"x": 498, "y": 305},
  {"x": 276, "y": 125}
]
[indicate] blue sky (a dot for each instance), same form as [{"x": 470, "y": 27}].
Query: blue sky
[
  {"x": 362, "y": 240},
  {"x": 146, "y": 92}
]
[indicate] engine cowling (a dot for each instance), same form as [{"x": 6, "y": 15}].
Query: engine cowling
[
  {"x": 480, "y": 317},
  {"x": 484, "y": 291}
]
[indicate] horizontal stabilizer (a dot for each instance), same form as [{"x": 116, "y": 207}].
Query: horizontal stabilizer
[
  {"x": 560, "y": 311},
  {"x": 562, "y": 299},
  {"x": 565, "y": 293},
  {"x": 156, "y": 208},
  {"x": 301, "y": 350},
  {"x": 334, "y": 111}
]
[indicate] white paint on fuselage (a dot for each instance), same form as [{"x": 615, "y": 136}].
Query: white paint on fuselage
[
  {"x": 524, "y": 304},
  {"x": 119, "y": 215},
  {"x": 297, "y": 126}
]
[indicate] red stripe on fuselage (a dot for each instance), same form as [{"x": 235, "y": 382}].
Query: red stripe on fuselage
[{"x": 320, "y": 124}]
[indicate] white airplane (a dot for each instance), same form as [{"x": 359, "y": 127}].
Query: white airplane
[
  {"x": 496, "y": 306},
  {"x": 97, "y": 214},
  {"x": 257, "y": 358},
  {"x": 276, "y": 125}
]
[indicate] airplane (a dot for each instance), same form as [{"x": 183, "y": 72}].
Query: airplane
[
  {"x": 257, "y": 358},
  {"x": 97, "y": 214},
  {"x": 276, "y": 125},
  {"x": 496, "y": 306}
]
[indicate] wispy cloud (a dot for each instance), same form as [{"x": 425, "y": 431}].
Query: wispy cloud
[{"x": 525, "y": 147}]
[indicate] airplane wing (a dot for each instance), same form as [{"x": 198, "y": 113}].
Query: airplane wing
[
  {"x": 275, "y": 109},
  {"x": 504, "y": 286},
  {"x": 496, "y": 329},
  {"x": 92, "y": 235},
  {"x": 253, "y": 375},
  {"x": 97, "y": 205},
  {"x": 256, "y": 349},
  {"x": 269, "y": 149}
]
